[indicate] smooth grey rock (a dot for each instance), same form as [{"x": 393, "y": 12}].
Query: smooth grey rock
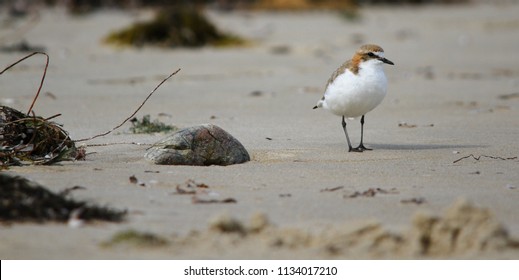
[{"x": 205, "y": 144}]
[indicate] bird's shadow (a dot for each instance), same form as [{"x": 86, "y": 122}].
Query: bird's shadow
[{"x": 421, "y": 146}]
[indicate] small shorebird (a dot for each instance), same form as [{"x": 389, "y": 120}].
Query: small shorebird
[{"x": 357, "y": 87}]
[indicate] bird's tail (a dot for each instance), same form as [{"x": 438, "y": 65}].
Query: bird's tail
[{"x": 319, "y": 104}]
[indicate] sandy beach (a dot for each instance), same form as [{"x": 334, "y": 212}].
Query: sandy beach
[{"x": 453, "y": 92}]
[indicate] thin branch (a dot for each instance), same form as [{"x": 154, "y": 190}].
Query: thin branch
[
  {"x": 41, "y": 83},
  {"x": 132, "y": 115},
  {"x": 52, "y": 117},
  {"x": 42, "y": 78},
  {"x": 479, "y": 157},
  {"x": 118, "y": 143}
]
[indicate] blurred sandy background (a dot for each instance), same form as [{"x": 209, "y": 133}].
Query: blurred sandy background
[{"x": 452, "y": 93}]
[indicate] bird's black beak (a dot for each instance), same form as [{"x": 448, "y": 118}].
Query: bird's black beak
[{"x": 385, "y": 60}]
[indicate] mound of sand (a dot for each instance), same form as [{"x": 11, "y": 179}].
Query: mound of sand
[{"x": 463, "y": 231}]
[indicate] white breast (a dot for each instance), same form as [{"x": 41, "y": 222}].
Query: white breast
[{"x": 353, "y": 95}]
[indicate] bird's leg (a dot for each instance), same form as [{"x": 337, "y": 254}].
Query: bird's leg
[
  {"x": 361, "y": 147},
  {"x": 346, "y": 133}
]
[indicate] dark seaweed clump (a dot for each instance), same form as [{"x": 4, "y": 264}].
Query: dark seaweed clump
[
  {"x": 174, "y": 27},
  {"x": 32, "y": 139},
  {"x": 145, "y": 125},
  {"x": 22, "y": 200},
  {"x": 135, "y": 239}
]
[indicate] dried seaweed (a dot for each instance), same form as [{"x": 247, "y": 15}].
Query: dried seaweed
[
  {"x": 180, "y": 190},
  {"x": 135, "y": 239},
  {"x": 22, "y": 200},
  {"x": 368, "y": 193},
  {"x": 371, "y": 192},
  {"x": 332, "y": 189},
  {"x": 197, "y": 200},
  {"x": 27, "y": 138},
  {"x": 32, "y": 139},
  {"x": 146, "y": 126},
  {"x": 509, "y": 96},
  {"x": 406, "y": 125},
  {"x": 190, "y": 187},
  {"x": 227, "y": 224},
  {"x": 415, "y": 200},
  {"x": 174, "y": 27},
  {"x": 200, "y": 193}
]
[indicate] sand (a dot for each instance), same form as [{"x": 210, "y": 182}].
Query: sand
[{"x": 454, "y": 68}]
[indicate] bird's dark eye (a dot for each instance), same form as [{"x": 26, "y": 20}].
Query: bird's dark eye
[{"x": 370, "y": 54}]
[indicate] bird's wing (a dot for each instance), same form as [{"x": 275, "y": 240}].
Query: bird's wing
[{"x": 346, "y": 65}]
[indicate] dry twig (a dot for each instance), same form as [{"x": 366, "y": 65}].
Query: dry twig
[
  {"x": 415, "y": 200},
  {"x": 371, "y": 192},
  {"x": 331, "y": 189},
  {"x": 132, "y": 115},
  {"x": 42, "y": 78},
  {"x": 479, "y": 157},
  {"x": 197, "y": 200},
  {"x": 48, "y": 142},
  {"x": 40, "y": 135}
]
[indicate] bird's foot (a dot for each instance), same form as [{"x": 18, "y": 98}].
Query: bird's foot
[{"x": 361, "y": 148}]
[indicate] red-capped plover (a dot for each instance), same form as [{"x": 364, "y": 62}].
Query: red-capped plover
[{"x": 357, "y": 87}]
